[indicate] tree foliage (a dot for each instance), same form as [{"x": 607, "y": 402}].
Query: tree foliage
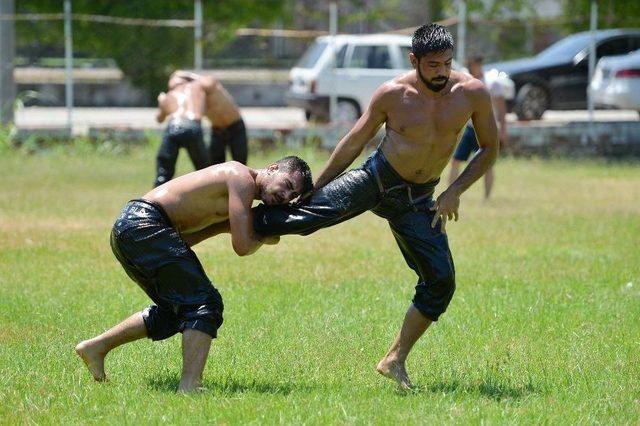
[
  {"x": 611, "y": 14},
  {"x": 147, "y": 55}
]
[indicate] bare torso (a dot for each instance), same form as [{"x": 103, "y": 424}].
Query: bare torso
[
  {"x": 198, "y": 199},
  {"x": 221, "y": 110},
  {"x": 185, "y": 101},
  {"x": 422, "y": 131}
]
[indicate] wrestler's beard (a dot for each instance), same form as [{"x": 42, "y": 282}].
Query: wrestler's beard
[{"x": 431, "y": 86}]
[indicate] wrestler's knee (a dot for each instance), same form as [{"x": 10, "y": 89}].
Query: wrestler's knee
[
  {"x": 432, "y": 299},
  {"x": 161, "y": 323},
  {"x": 207, "y": 317}
]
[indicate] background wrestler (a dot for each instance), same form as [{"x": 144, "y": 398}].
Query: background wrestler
[
  {"x": 424, "y": 111},
  {"x": 468, "y": 143},
  {"x": 184, "y": 105},
  {"x": 227, "y": 127},
  {"x": 152, "y": 239}
]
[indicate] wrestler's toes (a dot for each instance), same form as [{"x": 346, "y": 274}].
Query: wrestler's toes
[
  {"x": 93, "y": 359},
  {"x": 395, "y": 371}
]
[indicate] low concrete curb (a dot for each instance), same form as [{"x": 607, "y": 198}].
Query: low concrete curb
[{"x": 575, "y": 139}]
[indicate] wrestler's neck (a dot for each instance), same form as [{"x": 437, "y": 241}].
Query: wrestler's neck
[
  {"x": 258, "y": 176},
  {"x": 424, "y": 89}
]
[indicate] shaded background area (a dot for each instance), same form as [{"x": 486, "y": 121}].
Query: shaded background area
[{"x": 270, "y": 34}]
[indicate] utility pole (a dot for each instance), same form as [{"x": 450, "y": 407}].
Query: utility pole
[
  {"x": 7, "y": 51},
  {"x": 592, "y": 55},
  {"x": 68, "y": 65},
  {"x": 333, "y": 29},
  {"x": 197, "y": 12},
  {"x": 462, "y": 32}
]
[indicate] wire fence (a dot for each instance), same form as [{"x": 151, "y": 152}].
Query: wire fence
[
  {"x": 128, "y": 65},
  {"x": 274, "y": 47}
]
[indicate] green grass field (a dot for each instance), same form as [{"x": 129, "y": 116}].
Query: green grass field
[{"x": 544, "y": 326}]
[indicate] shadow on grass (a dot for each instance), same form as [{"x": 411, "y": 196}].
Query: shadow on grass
[
  {"x": 169, "y": 383},
  {"x": 488, "y": 389}
]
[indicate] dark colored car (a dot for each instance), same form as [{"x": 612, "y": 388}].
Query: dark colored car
[{"x": 557, "y": 78}]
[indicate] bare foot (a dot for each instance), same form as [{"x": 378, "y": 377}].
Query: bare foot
[
  {"x": 189, "y": 389},
  {"x": 93, "y": 358},
  {"x": 394, "y": 370}
]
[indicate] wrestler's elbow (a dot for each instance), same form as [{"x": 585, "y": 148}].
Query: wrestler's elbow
[
  {"x": 243, "y": 253},
  {"x": 245, "y": 248},
  {"x": 490, "y": 151},
  {"x": 489, "y": 157},
  {"x": 241, "y": 250},
  {"x": 493, "y": 151}
]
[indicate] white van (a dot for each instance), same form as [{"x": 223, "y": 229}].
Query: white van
[{"x": 363, "y": 62}]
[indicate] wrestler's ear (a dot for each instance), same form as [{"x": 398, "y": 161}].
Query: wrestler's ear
[
  {"x": 413, "y": 59},
  {"x": 272, "y": 168}
]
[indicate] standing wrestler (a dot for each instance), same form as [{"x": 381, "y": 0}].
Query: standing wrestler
[
  {"x": 152, "y": 239},
  {"x": 227, "y": 126},
  {"x": 468, "y": 142},
  {"x": 424, "y": 111},
  {"x": 184, "y": 106}
]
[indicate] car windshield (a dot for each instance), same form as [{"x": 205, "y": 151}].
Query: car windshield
[
  {"x": 566, "y": 48},
  {"x": 312, "y": 54},
  {"x": 404, "y": 52}
]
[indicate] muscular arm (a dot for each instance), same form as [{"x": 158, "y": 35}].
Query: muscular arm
[
  {"x": 162, "y": 108},
  {"x": 243, "y": 238},
  {"x": 185, "y": 74},
  {"x": 196, "y": 237},
  {"x": 503, "y": 134},
  {"x": 218, "y": 228},
  {"x": 354, "y": 142},
  {"x": 207, "y": 82},
  {"x": 487, "y": 134},
  {"x": 484, "y": 125}
]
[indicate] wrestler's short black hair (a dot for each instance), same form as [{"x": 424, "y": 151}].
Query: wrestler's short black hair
[
  {"x": 476, "y": 59},
  {"x": 293, "y": 164},
  {"x": 431, "y": 38}
]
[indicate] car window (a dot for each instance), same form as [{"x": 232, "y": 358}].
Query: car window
[
  {"x": 616, "y": 46},
  {"x": 312, "y": 55},
  {"x": 635, "y": 43},
  {"x": 370, "y": 57},
  {"x": 566, "y": 48},
  {"x": 404, "y": 60},
  {"x": 340, "y": 56}
]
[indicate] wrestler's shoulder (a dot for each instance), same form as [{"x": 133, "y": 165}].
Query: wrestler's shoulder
[
  {"x": 236, "y": 168},
  {"x": 232, "y": 171},
  {"x": 468, "y": 82},
  {"x": 396, "y": 86},
  {"x": 402, "y": 81},
  {"x": 209, "y": 83}
]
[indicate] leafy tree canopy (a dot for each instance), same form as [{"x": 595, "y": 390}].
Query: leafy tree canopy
[
  {"x": 611, "y": 14},
  {"x": 147, "y": 55}
]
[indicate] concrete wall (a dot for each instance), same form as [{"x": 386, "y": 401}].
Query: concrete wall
[
  {"x": 577, "y": 139},
  {"x": 612, "y": 139},
  {"x": 109, "y": 88}
]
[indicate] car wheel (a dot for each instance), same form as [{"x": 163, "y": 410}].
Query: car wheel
[
  {"x": 531, "y": 102},
  {"x": 347, "y": 111}
]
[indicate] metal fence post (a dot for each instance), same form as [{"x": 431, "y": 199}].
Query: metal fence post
[
  {"x": 7, "y": 51},
  {"x": 333, "y": 29},
  {"x": 592, "y": 55},
  {"x": 197, "y": 10},
  {"x": 462, "y": 32},
  {"x": 68, "y": 64}
]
